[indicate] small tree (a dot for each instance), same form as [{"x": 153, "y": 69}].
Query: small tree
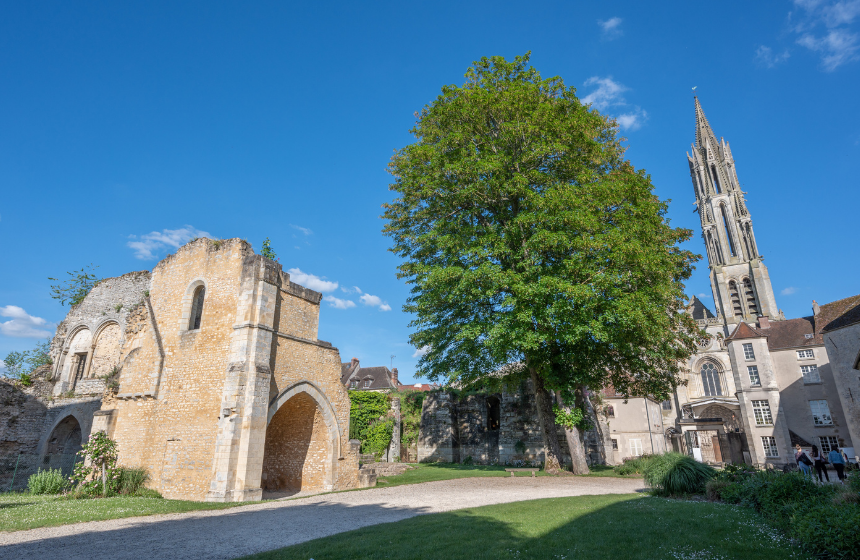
[
  {"x": 19, "y": 365},
  {"x": 268, "y": 252},
  {"x": 98, "y": 467},
  {"x": 15, "y": 364},
  {"x": 77, "y": 287}
]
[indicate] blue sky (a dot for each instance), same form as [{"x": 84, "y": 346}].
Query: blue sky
[{"x": 127, "y": 127}]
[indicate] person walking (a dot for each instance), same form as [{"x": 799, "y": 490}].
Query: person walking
[
  {"x": 803, "y": 460},
  {"x": 820, "y": 465},
  {"x": 837, "y": 459}
]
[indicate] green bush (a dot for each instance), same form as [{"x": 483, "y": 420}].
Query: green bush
[
  {"x": 635, "y": 465},
  {"x": 715, "y": 487},
  {"x": 146, "y": 493},
  {"x": 675, "y": 474},
  {"x": 377, "y": 437},
  {"x": 50, "y": 481},
  {"x": 131, "y": 480},
  {"x": 828, "y": 531},
  {"x": 854, "y": 481}
]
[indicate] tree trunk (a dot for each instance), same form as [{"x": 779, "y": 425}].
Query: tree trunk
[
  {"x": 552, "y": 450},
  {"x": 604, "y": 438},
  {"x": 574, "y": 443}
]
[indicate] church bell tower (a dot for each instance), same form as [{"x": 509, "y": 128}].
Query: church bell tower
[{"x": 739, "y": 279}]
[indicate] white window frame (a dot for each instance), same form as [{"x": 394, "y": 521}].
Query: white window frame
[
  {"x": 828, "y": 444},
  {"x": 762, "y": 413},
  {"x": 749, "y": 353},
  {"x": 806, "y": 354},
  {"x": 367, "y": 383},
  {"x": 755, "y": 380},
  {"x": 353, "y": 384},
  {"x": 614, "y": 444},
  {"x": 636, "y": 445},
  {"x": 821, "y": 415},
  {"x": 769, "y": 445},
  {"x": 810, "y": 374}
]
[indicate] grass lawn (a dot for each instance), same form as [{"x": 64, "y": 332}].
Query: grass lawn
[
  {"x": 427, "y": 472},
  {"x": 23, "y": 511},
  {"x": 626, "y": 526}
]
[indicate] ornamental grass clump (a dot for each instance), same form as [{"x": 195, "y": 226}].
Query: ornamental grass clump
[
  {"x": 634, "y": 465},
  {"x": 674, "y": 474},
  {"x": 50, "y": 481}
]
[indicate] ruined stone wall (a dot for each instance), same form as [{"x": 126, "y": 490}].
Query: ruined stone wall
[
  {"x": 167, "y": 413},
  {"x": 300, "y": 315},
  {"x": 28, "y": 416},
  {"x": 299, "y": 360},
  {"x": 456, "y": 429}
]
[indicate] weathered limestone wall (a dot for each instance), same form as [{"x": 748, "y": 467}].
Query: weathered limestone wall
[
  {"x": 297, "y": 448},
  {"x": 452, "y": 429},
  {"x": 28, "y": 419},
  {"x": 843, "y": 348},
  {"x": 167, "y": 413}
]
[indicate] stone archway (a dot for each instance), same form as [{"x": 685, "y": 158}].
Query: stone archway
[
  {"x": 302, "y": 443},
  {"x": 63, "y": 445},
  {"x": 730, "y": 419}
]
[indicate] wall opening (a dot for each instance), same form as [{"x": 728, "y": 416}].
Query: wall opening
[
  {"x": 735, "y": 296},
  {"x": 728, "y": 231},
  {"x": 197, "y": 308},
  {"x": 298, "y": 450},
  {"x": 750, "y": 297},
  {"x": 716, "y": 180},
  {"x": 711, "y": 380},
  {"x": 63, "y": 445},
  {"x": 494, "y": 414}
]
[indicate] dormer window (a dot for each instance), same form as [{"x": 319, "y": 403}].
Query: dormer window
[
  {"x": 353, "y": 384},
  {"x": 367, "y": 383}
]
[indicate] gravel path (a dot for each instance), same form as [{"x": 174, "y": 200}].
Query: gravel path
[{"x": 255, "y": 528}]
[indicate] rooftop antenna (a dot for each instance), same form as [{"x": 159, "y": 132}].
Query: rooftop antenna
[{"x": 392, "y": 360}]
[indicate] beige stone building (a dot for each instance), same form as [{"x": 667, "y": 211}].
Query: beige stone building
[{"x": 216, "y": 380}]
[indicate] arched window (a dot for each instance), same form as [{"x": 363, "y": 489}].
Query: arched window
[
  {"x": 716, "y": 179},
  {"x": 711, "y": 380},
  {"x": 727, "y": 230},
  {"x": 737, "y": 308},
  {"x": 197, "y": 308},
  {"x": 750, "y": 297}
]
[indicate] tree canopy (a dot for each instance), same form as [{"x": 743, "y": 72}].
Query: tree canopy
[{"x": 526, "y": 236}]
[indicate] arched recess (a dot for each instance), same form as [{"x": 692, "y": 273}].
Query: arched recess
[
  {"x": 63, "y": 445},
  {"x": 302, "y": 445},
  {"x": 196, "y": 287},
  {"x": 106, "y": 350},
  {"x": 749, "y": 295},
  {"x": 730, "y": 420},
  {"x": 76, "y": 354}
]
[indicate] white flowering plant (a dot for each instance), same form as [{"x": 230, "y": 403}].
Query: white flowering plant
[{"x": 97, "y": 472}]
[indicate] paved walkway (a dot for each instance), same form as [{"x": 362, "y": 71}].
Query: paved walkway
[{"x": 228, "y": 534}]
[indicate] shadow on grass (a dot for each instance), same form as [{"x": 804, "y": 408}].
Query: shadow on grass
[
  {"x": 584, "y": 527},
  {"x": 8, "y": 505}
]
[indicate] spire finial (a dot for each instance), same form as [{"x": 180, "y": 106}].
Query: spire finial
[{"x": 703, "y": 129}]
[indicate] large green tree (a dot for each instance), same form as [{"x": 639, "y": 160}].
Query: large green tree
[{"x": 527, "y": 237}]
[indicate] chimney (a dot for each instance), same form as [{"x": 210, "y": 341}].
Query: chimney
[
  {"x": 763, "y": 322},
  {"x": 815, "y": 309},
  {"x": 353, "y": 363},
  {"x": 394, "y": 380}
]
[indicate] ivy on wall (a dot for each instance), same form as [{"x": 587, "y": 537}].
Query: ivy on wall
[
  {"x": 369, "y": 420},
  {"x": 410, "y": 416}
]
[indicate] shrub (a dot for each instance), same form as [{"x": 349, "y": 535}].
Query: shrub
[
  {"x": 714, "y": 488},
  {"x": 146, "y": 493},
  {"x": 50, "y": 481},
  {"x": 854, "y": 481},
  {"x": 827, "y": 531},
  {"x": 131, "y": 480},
  {"x": 784, "y": 493},
  {"x": 97, "y": 473},
  {"x": 634, "y": 465},
  {"x": 674, "y": 474}
]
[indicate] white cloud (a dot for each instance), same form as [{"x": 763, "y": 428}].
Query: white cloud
[
  {"x": 338, "y": 303},
  {"x": 764, "y": 55},
  {"x": 703, "y": 295},
  {"x": 304, "y": 230},
  {"x": 420, "y": 351},
  {"x": 609, "y": 94},
  {"x": 353, "y": 290},
  {"x": 151, "y": 243},
  {"x": 611, "y": 28},
  {"x": 22, "y": 324},
  {"x": 788, "y": 291},
  {"x": 838, "y": 45},
  {"x": 311, "y": 281},
  {"x": 374, "y": 301}
]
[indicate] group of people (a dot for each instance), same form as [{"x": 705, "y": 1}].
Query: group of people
[{"x": 819, "y": 461}]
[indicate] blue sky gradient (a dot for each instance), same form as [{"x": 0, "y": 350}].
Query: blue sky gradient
[{"x": 126, "y": 128}]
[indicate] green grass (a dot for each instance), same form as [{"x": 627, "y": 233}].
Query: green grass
[
  {"x": 24, "y": 511},
  {"x": 633, "y": 527},
  {"x": 428, "y": 472}
]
